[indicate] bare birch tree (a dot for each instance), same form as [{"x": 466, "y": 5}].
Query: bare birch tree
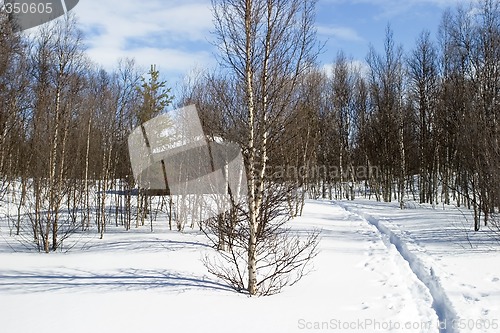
[
  {"x": 267, "y": 45},
  {"x": 56, "y": 61},
  {"x": 386, "y": 83},
  {"x": 424, "y": 94}
]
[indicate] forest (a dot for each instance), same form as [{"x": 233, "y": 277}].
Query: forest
[{"x": 421, "y": 123}]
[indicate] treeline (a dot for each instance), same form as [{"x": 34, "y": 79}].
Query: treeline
[
  {"x": 422, "y": 123},
  {"x": 64, "y": 124}
]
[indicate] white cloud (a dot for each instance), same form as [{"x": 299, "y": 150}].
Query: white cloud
[
  {"x": 343, "y": 33},
  {"x": 355, "y": 65},
  {"x": 168, "y": 60},
  {"x": 388, "y": 3},
  {"x": 111, "y": 25},
  {"x": 392, "y": 8}
]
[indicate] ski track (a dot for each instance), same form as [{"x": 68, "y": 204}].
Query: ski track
[{"x": 440, "y": 301}]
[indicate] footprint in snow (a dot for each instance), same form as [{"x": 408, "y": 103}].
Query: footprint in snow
[
  {"x": 471, "y": 299},
  {"x": 495, "y": 279},
  {"x": 468, "y": 286}
]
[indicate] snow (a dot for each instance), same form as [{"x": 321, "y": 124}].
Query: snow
[
  {"x": 440, "y": 302},
  {"x": 379, "y": 269},
  {"x": 461, "y": 265}
]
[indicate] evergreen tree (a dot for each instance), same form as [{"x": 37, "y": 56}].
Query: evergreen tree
[{"x": 155, "y": 96}]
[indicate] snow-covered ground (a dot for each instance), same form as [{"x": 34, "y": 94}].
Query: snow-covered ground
[{"x": 380, "y": 269}]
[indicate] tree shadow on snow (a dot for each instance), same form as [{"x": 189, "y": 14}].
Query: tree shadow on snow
[{"x": 22, "y": 282}]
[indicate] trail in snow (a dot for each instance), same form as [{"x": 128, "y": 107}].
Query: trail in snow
[
  {"x": 440, "y": 301},
  {"x": 358, "y": 285},
  {"x": 373, "y": 268}
]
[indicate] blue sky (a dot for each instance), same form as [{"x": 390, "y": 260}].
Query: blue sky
[{"x": 175, "y": 34}]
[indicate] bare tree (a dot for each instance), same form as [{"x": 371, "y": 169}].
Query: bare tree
[
  {"x": 386, "y": 83},
  {"x": 267, "y": 45},
  {"x": 342, "y": 100},
  {"x": 14, "y": 102},
  {"x": 56, "y": 61},
  {"x": 470, "y": 40},
  {"x": 424, "y": 94}
]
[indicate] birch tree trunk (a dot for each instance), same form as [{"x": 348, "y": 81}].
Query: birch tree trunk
[{"x": 252, "y": 176}]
